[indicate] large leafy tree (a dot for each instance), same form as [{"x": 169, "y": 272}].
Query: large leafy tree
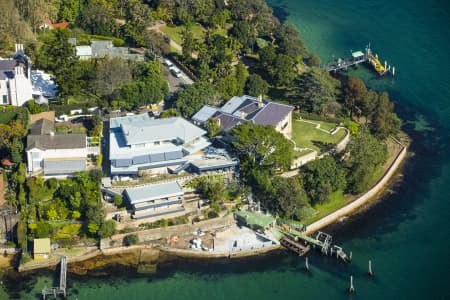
[
  {"x": 262, "y": 147},
  {"x": 314, "y": 89},
  {"x": 58, "y": 56},
  {"x": 282, "y": 70},
  {"x": 111, "y": 74},
  {"x": 97, "y": 17},
  {"x": 190, "y": 100},
  {"x": 256, "y": 86},
  {"x": 384, "y": 121},
  {"x": 354, "y": 93},
  {"x": 289, "y": 196},
  {"x": 289, "y": 42},
  {"x": 322, "y": 177},
  {"x": 366, "y": 154}
]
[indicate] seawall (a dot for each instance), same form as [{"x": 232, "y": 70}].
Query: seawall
[{"x": 353, "y": 206}]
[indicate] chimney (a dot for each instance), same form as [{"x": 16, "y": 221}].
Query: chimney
[
  {"x": 260, "y": 101},
  {"x": 242, "y": 114},
  {"x": 218, "y": 121}
]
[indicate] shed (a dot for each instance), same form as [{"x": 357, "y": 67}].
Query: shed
[
  {"x": 41, "y": 249},
  {"x": 357, "y": 54},
  {"x": 255, "y": 220}
]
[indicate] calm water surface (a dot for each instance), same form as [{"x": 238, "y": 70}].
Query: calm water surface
[{"x": 406, "y": 234}]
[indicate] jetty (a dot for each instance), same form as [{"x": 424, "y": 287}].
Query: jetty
[
  {"x": 294, "y": 246},
  {"x": 322, "y": 241},
  {"x": 61, "y": 290},
  {"x": 359, "y": 57}
]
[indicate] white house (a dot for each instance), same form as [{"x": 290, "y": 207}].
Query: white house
[
  {"x": 18, "y": 83},
  {"x": 55, "y": 154}
]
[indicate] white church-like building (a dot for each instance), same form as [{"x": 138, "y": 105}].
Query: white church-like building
[{"x": 18, "y": 83}]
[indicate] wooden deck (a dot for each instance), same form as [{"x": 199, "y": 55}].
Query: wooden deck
[{"x": 294, "y": 246}]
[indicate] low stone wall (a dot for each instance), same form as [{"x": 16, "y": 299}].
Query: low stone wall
[
  {"x": 344, "y": 142},
  {"x": 351, "y": 207},
  {"x": 302, "y": 160}
]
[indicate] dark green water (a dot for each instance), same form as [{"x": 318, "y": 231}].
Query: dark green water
[{"x": 406, "y": 235}]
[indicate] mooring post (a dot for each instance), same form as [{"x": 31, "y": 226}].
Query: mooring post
[
  {"x": 393, "y": 71},
  {"x": 370, "y": 269},
  {"x": 351, "y": 288},
  {"x": 306, "y": 264},
  {"x": 350, "y": 256}
]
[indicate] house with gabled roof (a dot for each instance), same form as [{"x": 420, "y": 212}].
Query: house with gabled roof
[
  {"x": 158, "y": 146},
  {"x": 55, "y": 154},
  {"x": 247, "y": 108}
]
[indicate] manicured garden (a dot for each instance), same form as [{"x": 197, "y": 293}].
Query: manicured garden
[{"x": 306, "y": 135}]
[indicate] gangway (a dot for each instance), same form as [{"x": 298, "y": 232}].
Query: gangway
[{"x": 61, "y": 290}]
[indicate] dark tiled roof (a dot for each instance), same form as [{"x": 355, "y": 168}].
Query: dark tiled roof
[
  {"x": 41, "y": 126},
  {"x": 58, "y": 141},
  {"x": 227, "y": 122},
  {"x": 272, "y": 113}
]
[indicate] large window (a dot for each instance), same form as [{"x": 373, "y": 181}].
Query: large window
[{"x": 5, "y": 99}]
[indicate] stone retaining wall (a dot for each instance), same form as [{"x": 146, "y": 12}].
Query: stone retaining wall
[{"x": 163, "y": 233}]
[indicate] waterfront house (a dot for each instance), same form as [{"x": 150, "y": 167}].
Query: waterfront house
[
  {"x": 139, "y": 144},
  {"x": 41, "y": 248},
  {"x": 155, "y": 201},
  {"x": 55, "y": 154},
  {"x": 246, "y": 108}
]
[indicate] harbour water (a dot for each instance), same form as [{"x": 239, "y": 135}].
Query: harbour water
[{"x": 406, "y": 234}]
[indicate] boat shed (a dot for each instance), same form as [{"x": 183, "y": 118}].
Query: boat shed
[
  {"x": 255, "y": 220},
  {"x": 41, "y": 248}
]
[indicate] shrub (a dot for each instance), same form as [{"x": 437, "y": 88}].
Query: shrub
[{"x": 131, "y": 239}]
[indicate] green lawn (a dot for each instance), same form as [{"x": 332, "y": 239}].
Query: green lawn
[
  {"x": 198, "y": 31},
  {"x": 306, "y": 135},
  {"x": 174, "y": 33},
  {"x": 7, "y": 116},
  {"x": 336, "y": 201}
]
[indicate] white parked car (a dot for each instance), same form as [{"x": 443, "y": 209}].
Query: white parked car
[
  {"x": 167, "y": 62},
  {"x": 175, "y": 72}
]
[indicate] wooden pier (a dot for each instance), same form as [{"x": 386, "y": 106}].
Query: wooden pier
[
  {"x": 61, "y": 290},
  {"x": 294, "y": 246},
  {"x": 359, "y": 57},
  {"x": 320, "y": 240}
]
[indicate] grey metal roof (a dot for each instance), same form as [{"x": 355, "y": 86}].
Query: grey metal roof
[
  {"x": 41, "y": 126},
  {"x": 205, "y": 113},
  {"x": 137, "y": 130},
  {"x": 232, "y": 104},
  {"x": 154, "y": 192},
  {"x": 60, "y": 166},
  {"x": 57, "y": 141},
  {"x": 272, "y": 113},
  {"x": 84, "y": 50},
  {"x": 7, "y": 64}
]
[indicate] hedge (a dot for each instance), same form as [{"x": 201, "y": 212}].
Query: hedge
[{"x": 87, "y": 38}]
